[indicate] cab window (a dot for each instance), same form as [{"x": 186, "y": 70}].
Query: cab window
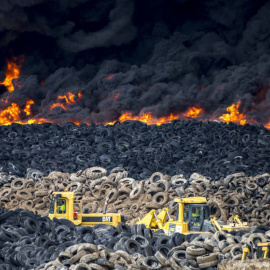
[
  {"x": 196, "y": 211},
  {"x": 177, "y": 212},
  {"x": 61, "y": 206},
  {"x": 196, "y": 219},
  {"x": 186, "y": 213},
  {"x": 206, "y": 212},
  {"x": 52, "y": 206}
]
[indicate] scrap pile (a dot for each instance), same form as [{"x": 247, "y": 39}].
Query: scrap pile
[
  {"x": 29, "y": 241},
  {"x": 237, "y": 194},
  {"x": 212, "y": 149}
]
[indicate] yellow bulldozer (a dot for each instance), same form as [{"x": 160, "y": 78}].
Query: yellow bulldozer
[
  {"x": 192, "y": 216},
  {"x": 63, "y": 206}
]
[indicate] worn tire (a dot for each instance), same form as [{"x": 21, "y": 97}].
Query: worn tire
[
  {"x": 208, "y": 264},
  {"x": 196, "y": 251},
  {"x": 207, "y": 258},
  {"x": 203, "y": 245},
  {"x": 151, "y": 263},
  {"x": 161, "y": 258}
]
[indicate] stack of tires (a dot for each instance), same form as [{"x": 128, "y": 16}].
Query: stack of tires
[
  {"x": 181, "y": 147},
  {"x": 28, "y": 241},
  {"x": 237, "y": 194}
]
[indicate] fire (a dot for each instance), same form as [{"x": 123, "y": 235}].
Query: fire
[
  {"x": 12, "y": 72},
  {"x": 146, "y": 118},
  {"x": 193, "y": 112},
  {"x": 116, "y": 97},
  {"x": 10, "y": 114},
  {"x": 54, "y": 105},
  {"x": 34, "y": 121},
  {"x": 234, "y": 115},
  {"x": 27, "y": 107},
  {"x": 109, "y": 77},
  {"x": 69, "y": 98}
]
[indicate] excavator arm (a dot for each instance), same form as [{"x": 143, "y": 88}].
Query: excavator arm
[
  {"x": 236, "y": 219},
  {"x": 153, "y": 221},
  {"x": 215, "y": 224}
]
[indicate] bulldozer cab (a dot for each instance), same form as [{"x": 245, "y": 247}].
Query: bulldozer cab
[
  {"x": 191, "y": 216},
  {"x": 195, "y": 215},
  {"x": 58, "y": 206},
  {"x": 64, "y": 206}
]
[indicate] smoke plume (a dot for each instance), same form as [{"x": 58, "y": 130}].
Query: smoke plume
[{"x": 160, "y": 56}]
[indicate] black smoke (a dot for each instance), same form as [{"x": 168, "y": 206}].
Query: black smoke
[{"x": 165, "y": 56}]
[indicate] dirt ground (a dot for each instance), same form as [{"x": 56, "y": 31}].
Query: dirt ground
[{"x": 245, "y": 265}]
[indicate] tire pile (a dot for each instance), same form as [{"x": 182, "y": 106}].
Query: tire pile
[
  {"x": 237, "y": 194},
  {"x": 147, "y": 167},
  {"x": 181, "y": 147},
  {"x": 29, "y": 241}
]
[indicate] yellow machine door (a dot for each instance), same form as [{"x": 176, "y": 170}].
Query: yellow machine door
[
  {"x": 59, "y": 207},
  {"x": 196, "y": 217}
]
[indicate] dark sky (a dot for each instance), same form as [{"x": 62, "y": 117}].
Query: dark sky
[{"x": 166, "y": 56}]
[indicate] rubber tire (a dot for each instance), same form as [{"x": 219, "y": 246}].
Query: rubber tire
[
  {"x": 208, "y": 264},
  {"x": 207, "y": 258}
]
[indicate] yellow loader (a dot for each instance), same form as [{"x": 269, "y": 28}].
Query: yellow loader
[
  {"x": 63, "y": 206},
  {"x": 192, "y": 216}
]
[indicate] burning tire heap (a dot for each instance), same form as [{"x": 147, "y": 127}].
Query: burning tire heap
[{"x": 92, "y": 62}]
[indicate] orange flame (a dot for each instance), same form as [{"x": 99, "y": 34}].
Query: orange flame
[
  {"x": 116, "y": 97},
  {"x": 12, "y": 72},
  {"x": 13, "y": 112},
  {"x": 109, "y": 77},
  {"x": 10, "y": 114},
  {"x": 27, "y": 107},
  {"x": 33, "y": 121},
  {"x": 54, "y": 105},
  {"x": 234, "y": 115},
  {"x": 193, "y": 112},
  {"x": 146, "y": 118},
  {"x": 69, "y": 99}
]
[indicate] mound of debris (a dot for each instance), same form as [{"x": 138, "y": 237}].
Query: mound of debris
[
  {"x": 237, "y": 194},
  {"x": 181, "y": 147},
  {"x": 29, "y": 241}
]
